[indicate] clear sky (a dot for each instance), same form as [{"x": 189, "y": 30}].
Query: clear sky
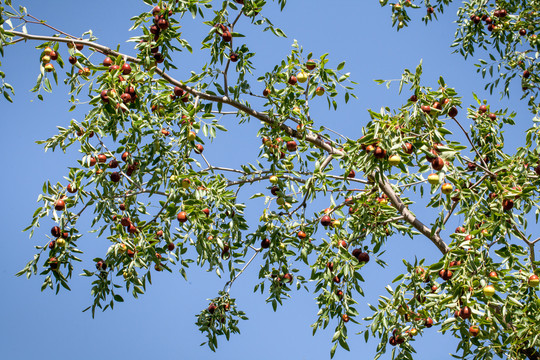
[{"x": 161, "y": 323}]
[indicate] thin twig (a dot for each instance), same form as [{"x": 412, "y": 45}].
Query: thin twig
[
  {"x": 142, "y": 191},
  {"x": 82, "y": 210},
  {"x": 157, "y": 215},
  {"x": 476, "y": 164},
  {"x": 249, "y": 181},
  {"x": 226, "y": 85},
  {"x": 304, "y": 201},
  {"x": 225, "y": 82},
  {"x": 121, "y": 171},
  {"x": 230, "y": 283},
  {"x": 412, "y": 184},
  {"x": 207, "y": 163},
  {"x": 308, "y": 116},
  {"x": 474, "y": 148},
  {"x": 41, "y": 22},
  {"x": 335, "y": 132},
  {"x": 347, "y": 178},
  {"x": 447, "y": 217},
  {"x": 225, "y": 112},
  {"x": 16, "y": 41},
  {"x": 478, "y": 182},
  {"x": 224, "y": 169},
  {"x": 347, "y": 190},
  {"x": 391, "y": 220},
  {"x": 236, "y": 20}
]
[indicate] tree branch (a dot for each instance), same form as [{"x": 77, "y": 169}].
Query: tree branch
[
  {"x": 474, "y": 148},
  {"x": 529, "y": 243},
  {"x": 409, "y": 217},
  {"x": 40, "y": 22},
  {"x": 249, "y": 181},
  {"x": 412, "y": 184},
  {"x": 230, "y": 283},
  {"x": 348, "y": 179},
  {"x": 530, "y": 353},
  {"x": 313, "y": 139}
]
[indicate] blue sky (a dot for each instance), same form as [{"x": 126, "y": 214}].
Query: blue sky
[{"x": 161, "y": 323}]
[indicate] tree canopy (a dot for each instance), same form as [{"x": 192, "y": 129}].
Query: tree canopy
[{"x": 150, "y": 193}]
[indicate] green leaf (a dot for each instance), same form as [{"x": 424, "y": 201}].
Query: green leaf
[
  {"x": 333, "y": 350},
  {"x": 8, "y": 98}
]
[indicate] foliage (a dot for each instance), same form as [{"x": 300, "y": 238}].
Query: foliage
[{"x": 162, "y": 206}]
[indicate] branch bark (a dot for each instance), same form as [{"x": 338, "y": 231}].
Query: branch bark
[
  {"x": 409, "y": 217},
  {"x": 531, "y": 353}
]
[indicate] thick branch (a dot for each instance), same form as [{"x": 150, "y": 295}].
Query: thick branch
[
  {"x": 531, "y": 353},
  {"x": 409, "y": 217}
]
